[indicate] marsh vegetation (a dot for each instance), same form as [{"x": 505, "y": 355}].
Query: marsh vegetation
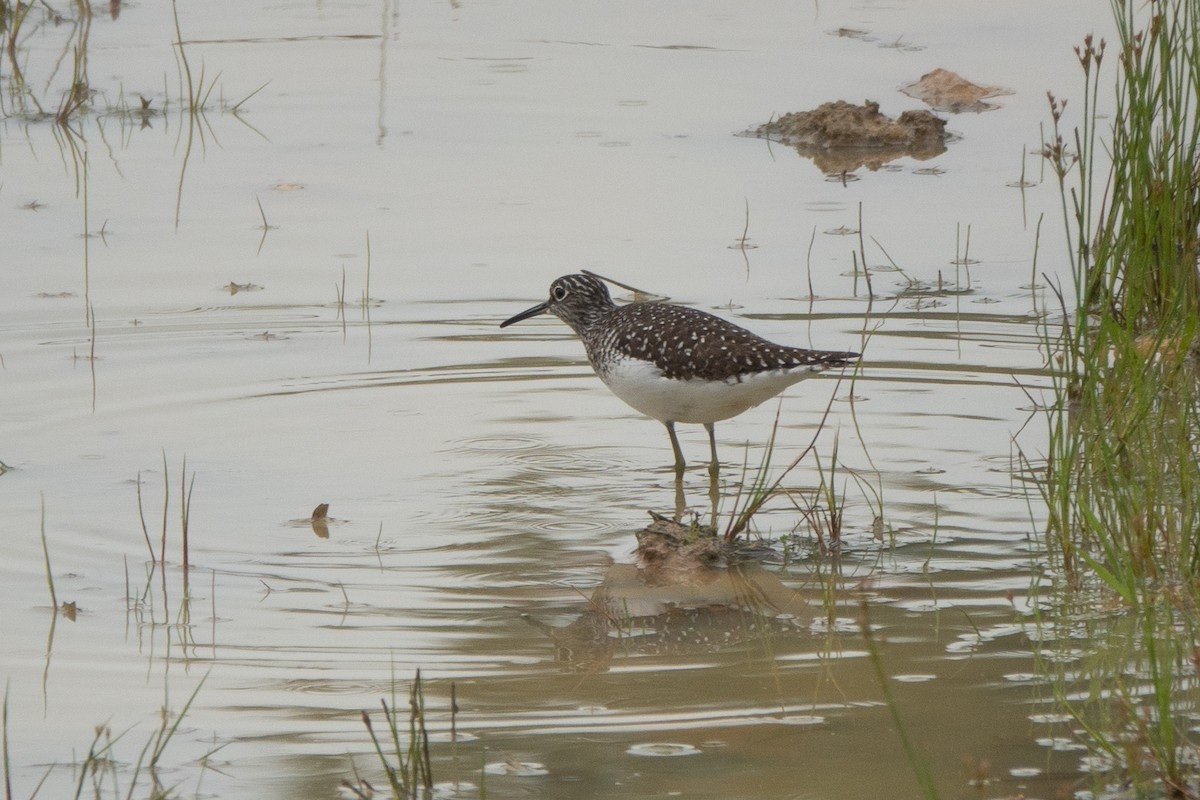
[{"x": 1122, "y": 470}]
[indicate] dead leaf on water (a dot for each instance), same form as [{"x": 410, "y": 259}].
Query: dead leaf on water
[
  {"x": 319, "y": 521},
  {"x": 852, "y": 33}
]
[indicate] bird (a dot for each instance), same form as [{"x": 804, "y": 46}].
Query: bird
[{"x": 677, "y": 364}]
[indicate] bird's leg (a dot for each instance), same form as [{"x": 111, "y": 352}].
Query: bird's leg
[
  {"x": 679, "y": 462},
  {"x": 715, "y": 467},
  {"x": 714, "y": 472},
  {"x": 680, "y": 505}
]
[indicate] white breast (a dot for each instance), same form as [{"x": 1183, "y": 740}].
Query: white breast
[{"x": 642, "y": 386}]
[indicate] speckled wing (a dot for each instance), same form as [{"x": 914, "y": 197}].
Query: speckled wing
[{"x": 686, "y": 343}]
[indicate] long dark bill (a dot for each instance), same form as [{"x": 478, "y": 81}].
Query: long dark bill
[{"x": 540, "y": 308}]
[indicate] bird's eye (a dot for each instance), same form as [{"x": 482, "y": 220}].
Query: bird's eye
[{"x": 559, "y": 293}]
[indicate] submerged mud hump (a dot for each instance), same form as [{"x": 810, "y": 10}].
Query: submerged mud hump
[
  {"x": 948, "y": 91},
  {"x": 687, "y": 592},
  {"x": 841, "y": 136}
]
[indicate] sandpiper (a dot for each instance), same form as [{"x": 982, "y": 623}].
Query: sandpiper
[{"x": 677, "y": 364}]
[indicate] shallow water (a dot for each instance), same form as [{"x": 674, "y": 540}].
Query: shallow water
[{"x": 484, "y": 487}]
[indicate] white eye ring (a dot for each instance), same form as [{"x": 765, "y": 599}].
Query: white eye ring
[{"x": 559, "y": 293}]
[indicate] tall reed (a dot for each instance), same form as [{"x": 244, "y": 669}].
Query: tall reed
[
  {"x": 411, "y": 774},
  {"x": 1122, "y": 481}
]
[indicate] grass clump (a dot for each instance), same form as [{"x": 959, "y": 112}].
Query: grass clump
[
  {"x": 102, "y": 769},
  {"x": 403, "y": 750},
  {"x": 1122, "y": 480}
]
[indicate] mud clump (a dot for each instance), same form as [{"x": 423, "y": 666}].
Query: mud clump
[
  {"x": 669, "y": 546},
  {"x": 842, "y": 124},
  {"x": 841, "y": 136},
  {"x": 671, "y": 552}
]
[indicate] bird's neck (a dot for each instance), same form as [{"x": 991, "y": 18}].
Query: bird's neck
[{"x": 584, "y": 321}]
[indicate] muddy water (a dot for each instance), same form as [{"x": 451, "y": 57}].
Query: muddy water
[{"x": 484, "y": 487}]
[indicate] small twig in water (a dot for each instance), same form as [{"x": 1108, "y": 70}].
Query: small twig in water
[
  {"x": 624, "y": 286},
  {"x": 239, "y": 103}
]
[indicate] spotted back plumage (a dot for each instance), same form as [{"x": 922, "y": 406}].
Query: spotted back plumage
[{"x": 684, "y": 343}]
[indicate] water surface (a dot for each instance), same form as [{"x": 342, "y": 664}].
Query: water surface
[{"x": 484, "y": 487}]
